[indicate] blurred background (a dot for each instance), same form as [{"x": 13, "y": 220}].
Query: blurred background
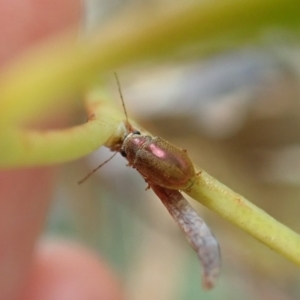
[{"x": 238, "y": 114}]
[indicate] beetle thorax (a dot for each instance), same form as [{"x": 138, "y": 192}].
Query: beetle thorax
[{"x": 132, "y": 144}]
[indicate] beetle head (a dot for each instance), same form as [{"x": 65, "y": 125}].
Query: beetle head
[{"x": 132, "y": 144}]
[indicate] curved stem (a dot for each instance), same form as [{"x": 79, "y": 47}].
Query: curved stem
[
  {"x": 65, "y": 67},
  {"x": 23, "y": 147}
]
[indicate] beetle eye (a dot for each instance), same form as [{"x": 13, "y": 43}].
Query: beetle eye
[
  {"x": 136, "y": 132},
  {"x": 123, "y": 153}
]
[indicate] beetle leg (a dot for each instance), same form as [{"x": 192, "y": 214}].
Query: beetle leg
[
  {"x": 148, "y": 185},
  {"x": 190, "y": 187}
]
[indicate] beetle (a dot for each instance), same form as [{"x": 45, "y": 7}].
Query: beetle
[
  {"x": 168, "y": 169},
  {"x": 158, "y": 161}
]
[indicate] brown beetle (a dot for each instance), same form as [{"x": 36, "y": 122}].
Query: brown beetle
[
  {"x": 168, "y": 169},
  {"x": 158, "y": 161}
]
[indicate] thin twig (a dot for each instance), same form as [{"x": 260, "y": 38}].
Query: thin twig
[{"x": 196, "y": 231}]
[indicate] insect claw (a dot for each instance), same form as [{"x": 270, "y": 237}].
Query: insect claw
[{"x": 148, "y": 185}]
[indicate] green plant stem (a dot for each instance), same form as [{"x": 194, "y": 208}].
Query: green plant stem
[
  {"x": 239, "y": 211},
  {"x": 64, "y": 67},
  {"x": 25, "y": 147}
]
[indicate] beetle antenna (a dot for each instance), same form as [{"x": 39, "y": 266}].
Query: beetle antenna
[
  {"x": 93, "y": 171},
  {"x": 128, "y": 126}
]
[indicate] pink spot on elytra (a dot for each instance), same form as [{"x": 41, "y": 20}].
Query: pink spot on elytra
[{"x": 157, "y": 151}]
